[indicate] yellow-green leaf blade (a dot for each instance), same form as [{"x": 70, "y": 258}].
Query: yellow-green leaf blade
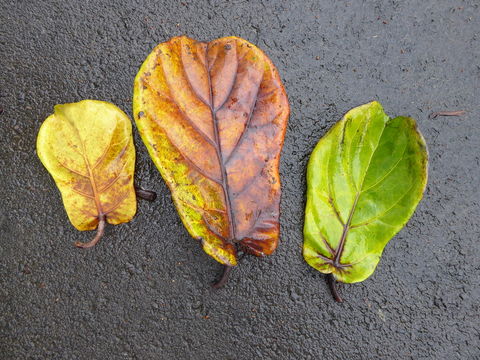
[{"x": 365, "y": 179}]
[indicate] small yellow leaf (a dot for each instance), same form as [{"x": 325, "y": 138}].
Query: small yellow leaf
[{"x": 88, "y": 149}]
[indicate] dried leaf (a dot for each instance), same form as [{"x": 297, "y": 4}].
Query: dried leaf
[
  {"x": 88, "y": 149},
  {"x": 365, "y": 178},
  {"x": 213, "y": 117}
]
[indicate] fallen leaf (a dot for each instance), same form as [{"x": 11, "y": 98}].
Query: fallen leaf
[
  {"x": 213, "y": 117},
  {"x": 88, "y": 149},
  {"x": 365, "y": 178}
]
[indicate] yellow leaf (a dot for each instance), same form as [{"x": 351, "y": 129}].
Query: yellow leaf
[{"x": 88, "y": 149}]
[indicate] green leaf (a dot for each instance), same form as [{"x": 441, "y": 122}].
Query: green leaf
[{"x": 365, "y": 178}]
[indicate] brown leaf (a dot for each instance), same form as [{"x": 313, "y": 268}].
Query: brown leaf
[{"x": 213, "y": 117}]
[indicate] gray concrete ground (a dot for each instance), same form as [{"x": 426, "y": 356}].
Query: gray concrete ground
[{"x": 143, "y": 292}]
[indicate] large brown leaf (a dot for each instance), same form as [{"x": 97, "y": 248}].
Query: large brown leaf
[{"x": 213, "y": 117}]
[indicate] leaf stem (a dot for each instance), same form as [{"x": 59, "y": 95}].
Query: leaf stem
[
  {"x": 223, "y": 280},
  {"x": 100, "y": 231},
  {"x": 148, "y": 195},
  {"x": 332, "y": 284}
]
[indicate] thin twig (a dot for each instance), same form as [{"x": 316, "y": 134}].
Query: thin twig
[{"x": 433, "y": 115}]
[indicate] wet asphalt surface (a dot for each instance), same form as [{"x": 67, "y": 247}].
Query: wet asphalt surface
[{"x": 143, "y": 292}]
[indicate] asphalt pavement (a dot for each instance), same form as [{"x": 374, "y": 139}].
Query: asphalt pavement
[{"x": 144, "y": 291}]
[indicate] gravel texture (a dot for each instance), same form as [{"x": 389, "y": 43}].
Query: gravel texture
[{"x": 143, "y": 292}]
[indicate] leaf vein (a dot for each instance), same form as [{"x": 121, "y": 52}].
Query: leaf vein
[
  {"x": 116, "y": 205},
  {"x": 196, "y": 167},
  {"x": 382, "y": 213},
  {"x": 387, "y": 173},
  {"x": 247, "y": 124},
  {"x": 194, "y": 90},
  {"x": 184, "y": 115},
  {"x": 82, "y": 193},
  {"x": 72, "y": 170},
  {"x": 114, "y": 180}
]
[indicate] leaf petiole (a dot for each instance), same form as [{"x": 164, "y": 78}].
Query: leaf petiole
[
  {"x": 148, "y": 195},
  {"x": 332, "y": 284},
  {"x": 102, "y": 220},
  {"x": 223, "y": 280}
]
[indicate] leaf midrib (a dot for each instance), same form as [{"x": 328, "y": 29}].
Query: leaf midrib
[
  {"x": 96, "y": 192},
  {"x": 216, "y": 141},
  {"x": 218, "y": 150},
  {"x": 96, "y": 196},
  {"x": 346, "y": 227}
]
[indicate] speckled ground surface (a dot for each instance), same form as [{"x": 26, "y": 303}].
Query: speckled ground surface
[{"x": 143, "y": 292}]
